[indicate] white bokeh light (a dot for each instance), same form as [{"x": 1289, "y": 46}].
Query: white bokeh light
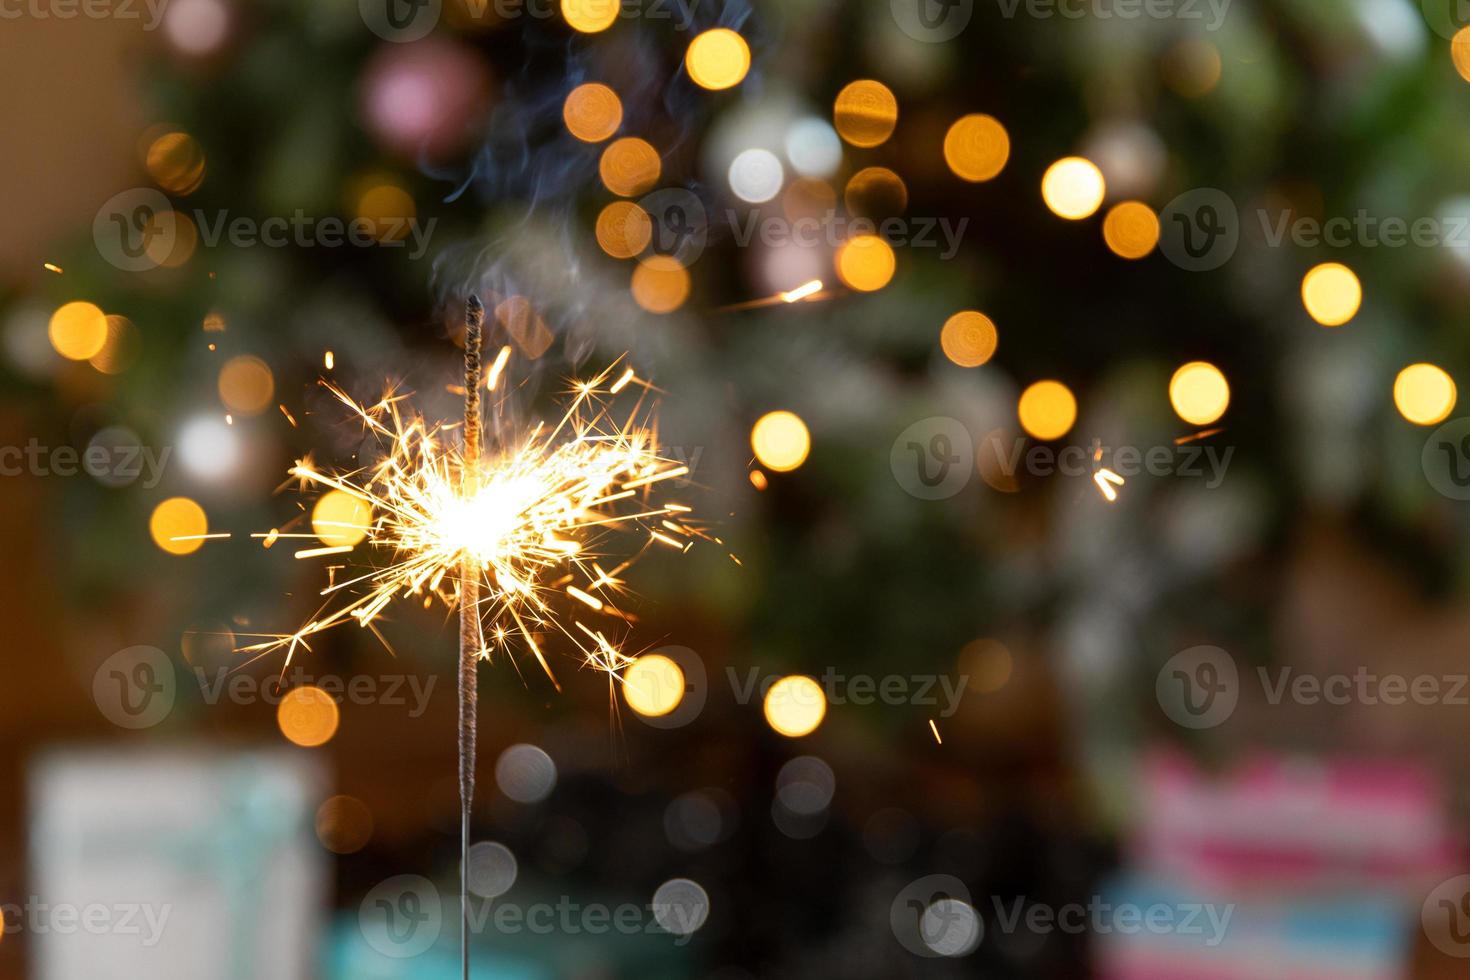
[
  {"x": 197, "y": 27},
  {"x": 813, "y": 147},
  {"x": 680, "y": 906},
  {"x": 525, "y": 773},
  {"x": 492, "y": 869},
  {"x": 756, "y": 176},
  {"x": 208, "y": 448}
]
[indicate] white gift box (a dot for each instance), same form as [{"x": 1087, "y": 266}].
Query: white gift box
[{"x": 174, "y": 865}]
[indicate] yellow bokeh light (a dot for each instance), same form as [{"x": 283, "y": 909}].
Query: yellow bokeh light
[
  {"x": 1047, "y": 410},
  {"x": 717, "y": 59},
  {"x": 592, "y": 112},
  {"x": 968, "y": 338},
  {"x": 988, "y": 663},
  {"x": 795, "y": 706},
  {"x": 590, "y": 16},
  {"x": 121, "y": 348},
  {"x": 865, "y": 113},
  {"x": 1131, "y": 229},
  {"x": 866, "y": 263},
  {"x": 876, "y": 192},
  {"x": 176, "y": 525},
  {"x": 1199, "y": 393},
  {"x": 976, "y": 147},
  {"x": 1073, "y": 188},
  {"x": 781, "y": 441},
  {"x": 807, "y": 197},
  {"x": 1192, "y": 68},
  {"x": 623, "y": 229},
  {"x": 1424, "y": 394},
  {"x": 653, "y": 685},
  {"x": 175, "y": 161},
  {"x": 246, "y": 385},
  {"x": 1460, "y": 52},
  {"x": 629, "y": 166},
  {"x": 1331, "y": 293},
  {"x": 387, "y": 209},
  {"x": 171, "y": 239},
  {"x": 78, "y": 330},
  {"x": 660, "y": 284},
  {"x": 344, "y": 824},
  {"x": 308, "y": 716},
  {"x": 340, "y": 519}
]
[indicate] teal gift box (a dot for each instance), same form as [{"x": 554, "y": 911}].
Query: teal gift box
[{"x": 171, "y": 863}]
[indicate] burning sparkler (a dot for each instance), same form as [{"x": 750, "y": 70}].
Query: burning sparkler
[{"x": 515, "y": 537}]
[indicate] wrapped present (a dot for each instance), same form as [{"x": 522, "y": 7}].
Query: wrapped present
[
  {"x": 1365, "y": 936},
  {"x": 175, "y": 864},
  {"x": 1317, "y": 869},
  {"x": 1279, "y": 821}
]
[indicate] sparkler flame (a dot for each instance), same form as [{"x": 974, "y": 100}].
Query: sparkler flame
[{"x": 536, "y": 522}]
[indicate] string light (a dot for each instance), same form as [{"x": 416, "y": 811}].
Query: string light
[
  {"x": 1424, "y": 394},
  {"x": 1331, "y": 293},
  {"x": 976, "y": 147},
  {"x": 781, "y": 441},
  {"x": 1199, "y": 393},
  {"x": 1073, "y": 188},
  {"x": 717, "y": 59},
  {"x": 865, "y": 113},
  {"x": 1047, "y": 410}
]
